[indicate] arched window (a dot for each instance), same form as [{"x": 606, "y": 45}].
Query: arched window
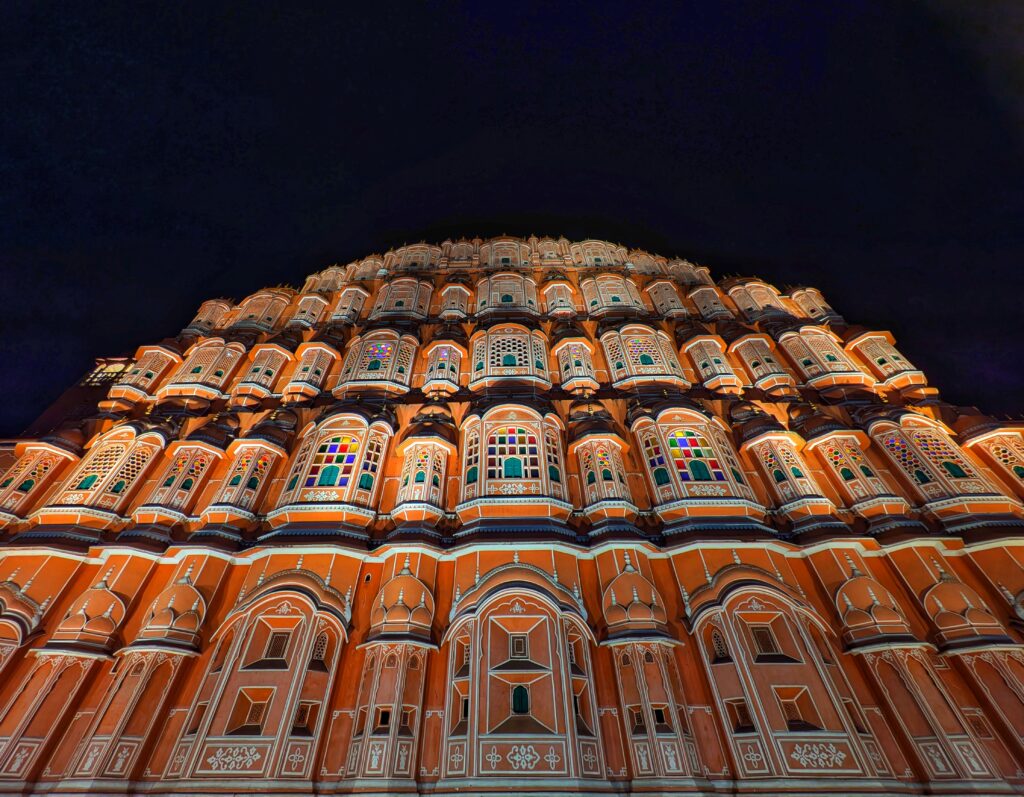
[
  {"x": 248, "y": 474},
  {"x": 509, "y": 352},
  {"x": 522, "y": 457},
  {"x": 1008, "y": 452},
  {"x": 520, "y": 700},
  {"x": 379, "y": 357},
  {"x": 403, "y": 297},
  {"x": 115, "y": 463},
  {"x": 183, "y": 472},
  {"x": 638, "y": 354}
]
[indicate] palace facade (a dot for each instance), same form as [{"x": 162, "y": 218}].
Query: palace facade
[{"x": 513, "y": 515}]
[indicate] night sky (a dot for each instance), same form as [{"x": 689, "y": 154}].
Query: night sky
[{"x": 153, "y": 156}]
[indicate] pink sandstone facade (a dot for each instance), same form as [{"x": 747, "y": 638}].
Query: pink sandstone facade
[{"x": 526, "y": 516}]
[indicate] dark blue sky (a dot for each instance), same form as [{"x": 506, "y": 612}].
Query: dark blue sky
[{"x": 153, "y": 155}]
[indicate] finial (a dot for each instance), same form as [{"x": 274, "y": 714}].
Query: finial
[
  {"x": 735, "y": 557},
  {"x": 627, "y": 564},
  {"x": 302, "y": 558},
  {"x": 476, "y": 575},
  {"x": 636, "y": 597},
  {"x": 576, "y": 591},
  {"x": 515, "y": 556},
  {"x": 1006, "y": 592},
  {"x": 707, "y": 573},
  {"x": 187, "y": 578},
  {"x": 854, "y": 571},
  {"x": 615, "y": 601},
  {"x": 170, "y": 603},
  {"x": 401, "y": 597},
  {"x": 458, "y": 593},
  {"x": 348, "y": 594},
  {"x": 405, "y": 567}
]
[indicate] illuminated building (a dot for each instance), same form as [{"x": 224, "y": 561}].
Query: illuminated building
[{"x": 513, "y": 515}]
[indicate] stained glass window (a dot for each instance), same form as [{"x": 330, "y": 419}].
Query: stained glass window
[
  {"x": 942, "y": 452},
  {"x": 906, "y": 458},
  {"x": 512, "y": 442},
  {"x": 694, "y": 458},
  {"x": 333, "y": 462}
]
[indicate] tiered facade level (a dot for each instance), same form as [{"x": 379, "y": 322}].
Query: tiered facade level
[{"x": 513, "y": 515}]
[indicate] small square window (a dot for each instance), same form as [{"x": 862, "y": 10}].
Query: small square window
[
  {"x": 764, "y": 640},
  {"x": 277, "y": 645},
  {"x": 519, "y": 646}
]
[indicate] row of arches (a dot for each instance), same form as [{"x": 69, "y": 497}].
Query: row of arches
[
  {"x": 412, "y": 298},
  {"x": 519, "y": 661},
  {"x": 626, "y": 357},
  {"x": 678, "y": 461}
]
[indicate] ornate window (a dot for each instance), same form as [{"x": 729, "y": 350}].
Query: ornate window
[
  {"x": 816, "y": 354},
  {"x": 183, "y": 473},
  {"x": 506, "y": 292},
  {"x": 24, "y": 478},
  {"x": 665, "y": 299},
  {"x": 147, "y": 370},
  {"x": 403, "y": 297},
  {"x": 602, "y": 471},
  {"x": 379, "y": 357},
  {"x": 455, "y": 301},
  {"x": 884, "y": 357},
  {"x": 309, "y": 311},
  {"x": 247, "y": 475},
  {"x": 423, "y": 471},
  {"x": 759, "y": 359},
  {"x": 520, "y": 456},
  {"x": 509, "y": 352},
  {"x": 638, "y": 353},
  {"x": 313, "y": 367},
  {"x": 260, "y": 311},
  {"x": 712, "y": 364},
  {"x": 339, "y": 463},
  {"x": 1009, "y": 453},
  {"x": 210, "y": 316},
  {"x": 693, "y": 457},
  {"x": 610, "y": 292},
  {"x": 709, "y": 303},
  {"x": 847, "y": 461},
  {"x": 443, "y": 365},
  {"x": 786, "y": 471},
  {"x": 813, "y": 305},
  {"x": 687, "y": 458},
  {"x": 558, "y": 299},
  {"x": 685, "y": 273},
  {"x": 109, "y": 471},
  {"x": 264, "y": 368},
  {"x": 208, "y": 365},
  {"x": 350, "y": 304},
  {"x": 757, "y": 301},
  {"x": 575, "y": 365}
]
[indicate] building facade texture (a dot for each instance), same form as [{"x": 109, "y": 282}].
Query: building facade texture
[{"x": 513, "y": 515}]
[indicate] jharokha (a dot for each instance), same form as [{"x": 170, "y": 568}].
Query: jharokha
[{"x": 513, "y": 515}]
